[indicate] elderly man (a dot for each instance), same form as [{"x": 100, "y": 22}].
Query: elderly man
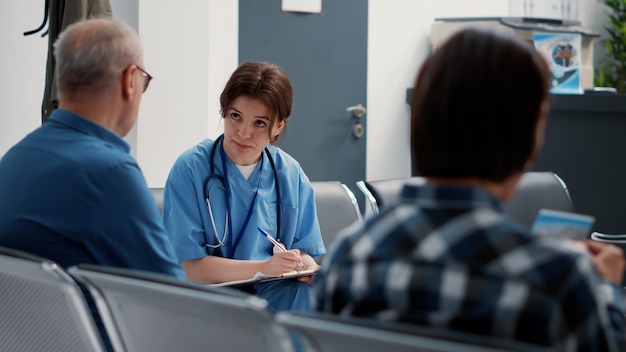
[{"x": 70, "y": 191}]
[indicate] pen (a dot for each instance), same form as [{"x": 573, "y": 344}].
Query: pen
[{"x": 276, "y": 243}]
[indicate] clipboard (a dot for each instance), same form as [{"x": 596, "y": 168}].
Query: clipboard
[{"x": 260, "y": 277}]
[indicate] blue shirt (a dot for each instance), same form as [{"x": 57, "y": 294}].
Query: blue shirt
[
  {"x": 70, "y": 192},
  {"x": 449, "y": 257}
]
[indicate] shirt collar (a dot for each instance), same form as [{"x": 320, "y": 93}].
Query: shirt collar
[
  {"x": 430, "y": 195},
  {"x": 88, "y": 127}
]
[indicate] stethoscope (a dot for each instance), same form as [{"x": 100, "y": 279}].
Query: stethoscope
[{"x": 221, "y": 242}]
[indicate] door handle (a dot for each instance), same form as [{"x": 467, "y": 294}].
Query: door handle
[{"x": 357, "y": 110}]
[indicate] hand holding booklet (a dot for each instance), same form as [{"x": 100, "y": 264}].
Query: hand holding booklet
[
  {"x": 260, "y": 277},
  {"x": 562, "y": 224}
]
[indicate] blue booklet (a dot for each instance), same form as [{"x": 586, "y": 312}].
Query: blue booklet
[{"x": 562, "y": 224}]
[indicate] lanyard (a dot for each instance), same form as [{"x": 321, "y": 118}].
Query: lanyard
[{"x": 232, "y": 245}]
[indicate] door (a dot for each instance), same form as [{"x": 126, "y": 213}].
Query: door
[{"x": 325, "y": 57}]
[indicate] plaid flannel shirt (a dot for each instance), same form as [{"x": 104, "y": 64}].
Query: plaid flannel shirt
[{"x": 449, "y": 257}]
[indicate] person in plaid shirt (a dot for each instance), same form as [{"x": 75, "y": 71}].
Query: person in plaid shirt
[{"x": 446, "y": 255}]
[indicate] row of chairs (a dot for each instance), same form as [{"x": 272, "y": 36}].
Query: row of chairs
[
  {"x": 338, "y": 208},
  {"x": 536, "y": 190},
  {"x": 42, "y": 307}
]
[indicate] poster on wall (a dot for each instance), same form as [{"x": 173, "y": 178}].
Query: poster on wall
[{"x": 562, "y": 52}]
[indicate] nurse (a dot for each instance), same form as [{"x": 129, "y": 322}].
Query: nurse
[{"x": 220, "y": 191}]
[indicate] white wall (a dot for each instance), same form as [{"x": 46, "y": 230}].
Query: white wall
[
  {"x": 191, "y": 49},
  {"x": 397, "y": 46},
  {"x": 592, "y": 14},
  {"x": 22, "y": 70}
]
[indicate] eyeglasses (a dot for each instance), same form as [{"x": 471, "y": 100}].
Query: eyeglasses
[
  {"x": 146, "y": 77},
  {"x": 144, "y": 74}
]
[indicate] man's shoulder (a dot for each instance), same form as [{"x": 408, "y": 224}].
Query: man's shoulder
[{"x": 198, "y": 157}]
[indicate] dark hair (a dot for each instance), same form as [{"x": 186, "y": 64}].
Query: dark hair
[
  {"x": 264, "y": 81},
  {"x": 475, "y": 106}
]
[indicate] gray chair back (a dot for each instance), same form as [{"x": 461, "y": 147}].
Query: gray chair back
[
  {"x": 42, "y": 308},
  {"x": 536, "y": 190},
  {"x": 153, "y": 312},
  {"x": 379, "y": 193},
  {"x": 337, "y": 208},
  {"x": 321, "y": 332}
]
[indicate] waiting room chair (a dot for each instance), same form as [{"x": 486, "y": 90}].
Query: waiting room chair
[
  {"x": 379, "y": 193},
  {"x": 536, "y": 190},
  {"x": 42, "y": 308},
  {"x": 154, "y": 312},
  {"x": 337, "y": 208},
  {"x": 321, "y": 332}
]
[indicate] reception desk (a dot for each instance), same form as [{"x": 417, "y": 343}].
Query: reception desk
[{"x": 586, "y": 146}]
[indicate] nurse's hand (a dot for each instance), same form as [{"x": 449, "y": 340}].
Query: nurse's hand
[
  {"x": 281, "y": 262},
  {"x": 309, "y": 264}
]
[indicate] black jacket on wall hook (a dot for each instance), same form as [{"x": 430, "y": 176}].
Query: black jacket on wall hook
[
  {"x": 43, "y": 24},
  {"x": 59, "y": 14}
]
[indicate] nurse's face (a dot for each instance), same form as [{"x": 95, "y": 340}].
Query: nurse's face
[{"x": 247, "y": 129}]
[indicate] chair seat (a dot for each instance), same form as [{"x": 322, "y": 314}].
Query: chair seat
[
  {"x": 326, "y": 332},
  {"x": 42, "y": 308},
  {"x": 155, "y": 312}
]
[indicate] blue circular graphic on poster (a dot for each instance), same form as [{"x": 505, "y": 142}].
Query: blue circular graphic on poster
[{"x": 563, "y": 55}]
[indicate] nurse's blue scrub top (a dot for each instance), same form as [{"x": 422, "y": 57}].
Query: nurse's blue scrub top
[{"x": 186, "y": 217}]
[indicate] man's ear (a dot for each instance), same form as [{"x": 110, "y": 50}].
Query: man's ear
[{"x": 129, "y": 84}]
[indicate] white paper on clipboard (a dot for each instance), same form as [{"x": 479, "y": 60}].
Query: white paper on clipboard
[{"x": 310, "y": 6}]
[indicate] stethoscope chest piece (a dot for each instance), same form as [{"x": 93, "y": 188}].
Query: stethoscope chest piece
[{"x": 222, "y": 241}]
